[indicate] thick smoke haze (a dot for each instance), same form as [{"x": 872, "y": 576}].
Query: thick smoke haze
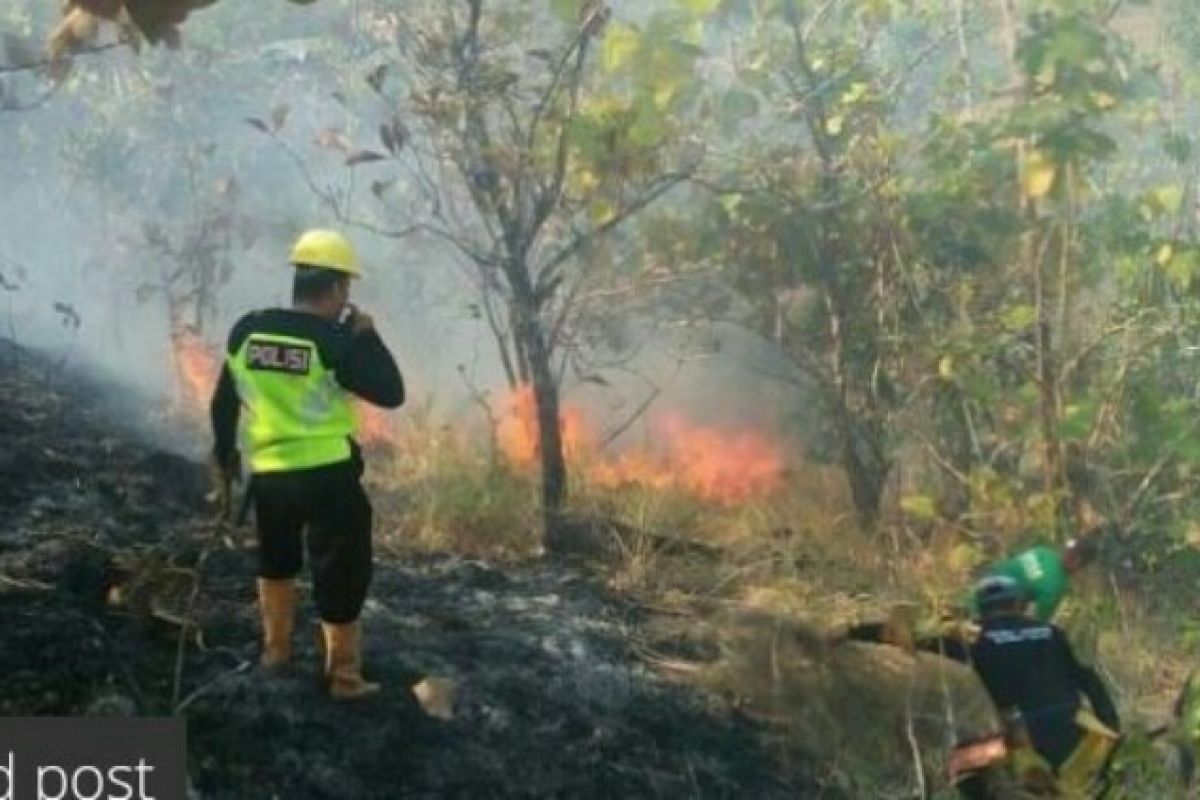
[
  {"x": 144, "y": 142},
  {"x": 137, "y": 148}
]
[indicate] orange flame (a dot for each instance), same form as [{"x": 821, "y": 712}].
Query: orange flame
[
  {"x": 728, "y": 468},
  {"x": 517, "y": 431},
  {"x": 723, "y": 467},
  {"x": 198, "y": 367}
]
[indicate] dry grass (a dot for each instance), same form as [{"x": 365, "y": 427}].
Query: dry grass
[
  {"x": 1140, "y": 653},
  {"x": 439, "y": 491},
  {"x": 755, "y": 587}
]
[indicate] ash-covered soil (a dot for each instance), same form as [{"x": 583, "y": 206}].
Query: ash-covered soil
[{"x": 107, "y": 550}]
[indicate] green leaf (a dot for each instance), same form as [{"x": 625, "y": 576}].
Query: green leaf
[
  {"x": 1180, "y": 266},
  {"x": 875, "y": 11},
  {"x": 1169, "y": 198},
  {"x": 621, "y": 43},
  {"x": 738, "y": 105},
  {"x": 1178, "y": 147},
  {"x": 1188, "y": 449},
  {"x": 566, "y": 10},
  {"x": 1042, "y": 507},
  {"x": 1075, "y": 43},
  {"x": 731, "y": 203},
  {"x": 693, "y": 37},
  {"x": 855, "y": 92},
  {"x": 1018, "y": 318},
  {"x": 1078, "y": 419},
  {"x": 699, "y": 7},
  {"x": 601, "y": 211},
  {"x": 963, "y": 556},
  {"x": 920, "y": 506},
  {"x": 1037, "y": 174},
  {"x": 647, "y": 127}
]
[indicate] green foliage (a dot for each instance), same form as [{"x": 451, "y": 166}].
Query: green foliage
[
  {"x": 1183, "y": 27},
  {"x": 647, "y": 81},
  {"x": 567, "y": 10},
  {"x": 942, "y": 253}
]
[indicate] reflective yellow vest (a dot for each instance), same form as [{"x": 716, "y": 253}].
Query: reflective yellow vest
[{"x": 296, "y": 414}]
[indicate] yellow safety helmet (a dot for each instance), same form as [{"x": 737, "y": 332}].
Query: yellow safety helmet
[{"x": 328, "y": 250}]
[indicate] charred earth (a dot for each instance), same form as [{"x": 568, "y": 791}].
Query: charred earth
[{"x": 120, "y": 597}]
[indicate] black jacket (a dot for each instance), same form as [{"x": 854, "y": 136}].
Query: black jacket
[
  {"x": 362, "y": 365},
  {"x": 1029, "y": 666}
]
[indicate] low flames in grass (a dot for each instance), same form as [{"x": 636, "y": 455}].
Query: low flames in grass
[
  {"x": 728, "y": 468},
  {"x": 724, "y": 467},
  {"x": 517, "y": 430}
]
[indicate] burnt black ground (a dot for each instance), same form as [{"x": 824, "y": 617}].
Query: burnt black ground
[{"x": 552, "y": 703}]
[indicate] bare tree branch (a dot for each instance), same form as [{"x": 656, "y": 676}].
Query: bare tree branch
[
  {"x": 904, "y": 73},
  {"x": 549, "y": 196},
  {"x": 817, "y": 18},
  {"x": 560, "y": 69},
  {"x": 34, "y": 104},
  {"x": 614, "y": 434},
  {"x": 564, "y": 313},
  {"x": 500, "y": 333},
  {"x": 582, "y": 239}
]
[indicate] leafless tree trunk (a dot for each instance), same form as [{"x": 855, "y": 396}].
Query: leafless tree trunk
[
  {"x": 538, "y": 355},
  {"x": 860, "y": 428}
]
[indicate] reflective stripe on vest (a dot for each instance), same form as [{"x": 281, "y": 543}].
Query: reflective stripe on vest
[{"x": 297, "y": 416}]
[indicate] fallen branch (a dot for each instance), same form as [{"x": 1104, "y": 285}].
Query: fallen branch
[
  {"x": 181, "y": 649},
  {"x": 131, "y": 682},
  {"x": 206, "y": 688},
  {"x": 46, "y": 62},
  {"x": 26, "y": 583},
  {"x": 34, "y": 104}
]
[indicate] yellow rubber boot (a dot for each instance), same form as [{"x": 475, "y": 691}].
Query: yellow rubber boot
[
  {"x": 343, "y": 662},
  {"x": 277, "y": 604}
]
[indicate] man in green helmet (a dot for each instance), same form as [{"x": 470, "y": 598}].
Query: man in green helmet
[
  {"x": 290, "y": 376},
  {"x": 1044, "y": 573},
  {"x": 1041, "y": 573}
]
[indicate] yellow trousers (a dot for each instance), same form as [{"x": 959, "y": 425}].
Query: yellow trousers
[{"x": 1079, "y": 777}]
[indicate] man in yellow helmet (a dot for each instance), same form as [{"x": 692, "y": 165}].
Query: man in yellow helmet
[{"x": 294, "y": 372}]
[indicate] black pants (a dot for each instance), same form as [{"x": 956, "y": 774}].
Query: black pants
[
  {"x": 331, "y": 507},
  {"x": 1055, "y": 735}
]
